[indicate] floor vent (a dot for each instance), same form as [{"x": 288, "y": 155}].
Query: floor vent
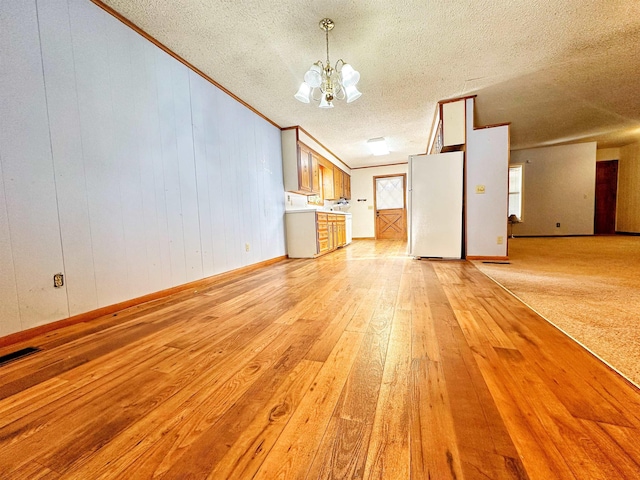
[{"x": 17, "y": 355}]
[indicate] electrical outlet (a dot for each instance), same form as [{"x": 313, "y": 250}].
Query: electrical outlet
[
  {"x": 558, "y": 225},
  {"x": 370, "y": 207},
  {"x": 247, "y": 247},
  {"x": 500, "y": 240},
  {"x": 480, "y": 189},
  {"x": 58, "y": 280}
]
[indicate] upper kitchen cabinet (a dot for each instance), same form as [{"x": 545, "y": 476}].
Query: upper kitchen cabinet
[
  {"x": 338, "y": 183},
  {"x": 309, "y": 168},
  {"x": 327, "y": 178},
  {"x": 308, "y": 171},
  {"x": 341, "y": 184},
  {"x": 347, "y": 186}
]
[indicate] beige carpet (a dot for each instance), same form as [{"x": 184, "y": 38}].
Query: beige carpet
[{"x": 587, "y": 286}]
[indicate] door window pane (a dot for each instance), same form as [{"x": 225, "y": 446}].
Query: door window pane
[{"x": 389, "y": 193}]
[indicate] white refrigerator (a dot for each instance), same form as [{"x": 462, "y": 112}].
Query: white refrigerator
[{"x": 435, "y": 205}]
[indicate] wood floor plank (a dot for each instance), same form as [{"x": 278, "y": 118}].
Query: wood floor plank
[
  {"x": 627, "y": 463},
  {"x": 343, "y": 451},
  {"x": 258, "y": 438},
  {"x": 363, "y": 363},
  {"x": 582, "y": 456},
  {"x": 223, "y": 386},
  {"x": 388, "y": 454},
  {"x": 214, "y": 443},
  {"x": 434, "y": 444},
  {"x": 292, "y": 455}
]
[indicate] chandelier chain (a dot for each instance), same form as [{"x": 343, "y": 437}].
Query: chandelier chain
[{"x": 326, "y": 34}]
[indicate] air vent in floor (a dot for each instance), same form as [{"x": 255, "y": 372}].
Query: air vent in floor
[{"x": 17, "y": 355}]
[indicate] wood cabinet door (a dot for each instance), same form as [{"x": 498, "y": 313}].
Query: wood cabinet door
[
  {"x": 338, "y": 185},
  {"x": 304, "y": 169},
  {"x": 342, "y": 231},
  {"x": 315, "y": 173},
  {"x": 327, "y": 181},
  {"x": 333, "y": 232},
  {"x": 347, "y": 186},
  {"x": 322, "y": 229}
]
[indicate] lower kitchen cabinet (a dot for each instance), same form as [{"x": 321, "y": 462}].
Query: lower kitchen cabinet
[{"x": 311, "y": 233}]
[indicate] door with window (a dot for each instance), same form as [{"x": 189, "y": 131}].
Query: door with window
[{"x": 390, "y": 206}]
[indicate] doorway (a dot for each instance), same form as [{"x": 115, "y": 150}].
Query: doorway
[
  {"x": 606, "y": 197},
  {"x": 390, "y": 204}
]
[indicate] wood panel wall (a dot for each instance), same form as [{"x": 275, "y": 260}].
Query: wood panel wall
[
  {"x": 628, "y": 213},
  {"x": 120, "y": 167}
]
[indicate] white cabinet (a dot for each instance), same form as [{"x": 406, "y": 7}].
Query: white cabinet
[
  {"x": 301, "y": 234},
  {"x": 453, "y": 125},
  {"x": 311, "y": 233}
]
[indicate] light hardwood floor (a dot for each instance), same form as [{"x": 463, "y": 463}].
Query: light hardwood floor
[{"x": 360, "y": 364}]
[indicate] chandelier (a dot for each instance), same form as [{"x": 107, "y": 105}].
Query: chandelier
[{"x": 324, "y": 84}]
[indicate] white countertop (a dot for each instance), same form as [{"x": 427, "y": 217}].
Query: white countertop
[{"x": 303, "y": 210}]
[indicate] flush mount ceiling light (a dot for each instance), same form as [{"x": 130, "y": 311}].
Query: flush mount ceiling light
[
  {"x": 324, "y": 84},
  {"x": 378, "y": 146}
]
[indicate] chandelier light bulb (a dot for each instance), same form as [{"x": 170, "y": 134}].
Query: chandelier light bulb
[
  {"x": 350, "y": 77},
  {"x": 324, "y": 103},
  {"x": 352, "y": 93},
  {"x": 304, "y": 93},
  {"x": 325, "y": 83},
  {"x": 313, "y": 77}
]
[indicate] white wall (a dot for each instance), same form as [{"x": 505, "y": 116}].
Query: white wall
[
  {"x": 487, "y": 165},
  {"x": 120, "y": 167},
  {"x": 559, "y": 187},
  {"x": 362, "y": 188}
]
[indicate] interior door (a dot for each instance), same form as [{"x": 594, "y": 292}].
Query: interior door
[
  {"x": 390, "y": 207},
  {"x": 606, "y": 193}
]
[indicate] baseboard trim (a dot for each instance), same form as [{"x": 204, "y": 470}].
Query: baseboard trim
[
  {"x": 30, "y": 333},
  {"x": 554, "y": 236},
  {"x": 633, "y": 234},
  {"x": 364, "y": 238},
  {"x": 482, "y": 257}
]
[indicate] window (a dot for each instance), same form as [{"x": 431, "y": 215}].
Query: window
[{"x": 515, "y": 190}]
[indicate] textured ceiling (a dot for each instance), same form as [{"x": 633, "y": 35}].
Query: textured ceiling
[{"x": 560, "y": 71}]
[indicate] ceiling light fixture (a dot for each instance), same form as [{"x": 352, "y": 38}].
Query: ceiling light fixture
[
  {"x": 378, "y": 146},
  {"x": 323, "y": 84}
]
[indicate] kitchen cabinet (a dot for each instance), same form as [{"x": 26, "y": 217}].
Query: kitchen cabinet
[
  {"x": 308, "y": 171},
  {"x": 327, "y": 178},
  {"x": 341, "y": 184},
  {"x": 311, "y": 234},
  {"x": 338, "y": 183},
  {"x": 301, "y": 169},
  {"x": 347, "y": 186},
  {"x": 315, "y": 172},
  {"x": 341, "y": 230}
]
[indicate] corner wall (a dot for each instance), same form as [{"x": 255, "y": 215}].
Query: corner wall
[
  {"x": 559, "y": 187},
  {"x": 487, "y": 165},
  {"x": 120, "y": 168}
]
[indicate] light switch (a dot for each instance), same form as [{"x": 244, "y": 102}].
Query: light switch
[{"x": 479, "y": 188}]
